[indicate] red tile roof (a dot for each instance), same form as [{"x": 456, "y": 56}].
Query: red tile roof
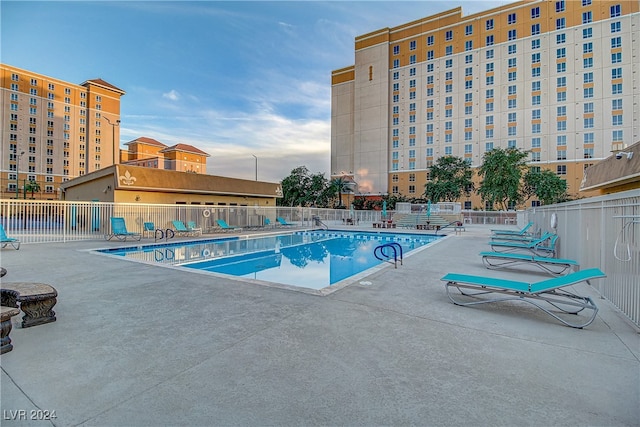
[
  {"x": 185, "y": 147},
  {"x": 100, "y": 82},
  {"x": 145, "y": 140}
]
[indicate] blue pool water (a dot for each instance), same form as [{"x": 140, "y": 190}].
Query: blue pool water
[{"x": 306, "y": 259}]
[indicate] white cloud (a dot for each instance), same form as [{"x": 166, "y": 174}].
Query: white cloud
[{"x": 172, "y": 95}]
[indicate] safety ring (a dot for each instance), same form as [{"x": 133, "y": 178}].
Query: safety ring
[
  {"x": 206, "y": 213},
  {"x": 206, "y": 252}
]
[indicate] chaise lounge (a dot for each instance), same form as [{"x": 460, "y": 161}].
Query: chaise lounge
[
  {"x": 550, "y": 291},
  {"x": 521, "y": 232},
  {"x": 553, "y": 266},
  {"x": 119, "y": 230},
  {"x": 226, "y": 227},
  {"x": 544, "y": 246},
  {"x": 6, "y": 240}
]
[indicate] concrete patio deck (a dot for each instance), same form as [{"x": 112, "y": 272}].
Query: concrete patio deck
[{"x": 138, "y": 345}]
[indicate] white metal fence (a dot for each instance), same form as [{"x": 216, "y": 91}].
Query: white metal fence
[
  {"x": 601, "y": 232},
  {"x": 39, "y": 221}
]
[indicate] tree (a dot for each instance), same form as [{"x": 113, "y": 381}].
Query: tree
[
  {"x": 33, "y": 187},
  {"x": 339, "y": 186},
  {"x": 301, "y": 188},
  {"x": 501, "y": 173},
  {"x": 295, "y": 186},
  {"x": 450, "y": 177},
  {"x": 548, "y": 187}
]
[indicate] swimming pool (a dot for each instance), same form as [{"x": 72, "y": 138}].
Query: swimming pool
[{"x": 313, "y": 260}]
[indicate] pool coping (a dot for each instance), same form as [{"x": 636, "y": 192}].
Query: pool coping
[{"x": 328, "y": 290}]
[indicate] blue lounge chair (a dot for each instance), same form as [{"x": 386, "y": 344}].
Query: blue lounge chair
[
  {"x": 191, "y": 225},
  {"x": 521, "y": 232},
  {"x": 226, "y": 227},
  {"x": 548, "y": 291},
  {"x": 183, "y": 230},
  {"x": 283, "y": 222},
  {"x": 544, "y": 246},
  {"x": 149, "y": 228},
  {"x": 6, "y": 240},
  {"x": 119, "y": 230},
  {"x": 267, "y": 223},
  {"x": 553, "y": 266}
]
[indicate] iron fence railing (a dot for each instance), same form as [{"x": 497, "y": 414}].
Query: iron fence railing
[{"x": 601, "y": 232}]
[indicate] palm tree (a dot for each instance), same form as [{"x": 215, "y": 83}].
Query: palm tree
[
  {"x": 338, "y": 185},
  {"x": 33, "y": 187}
]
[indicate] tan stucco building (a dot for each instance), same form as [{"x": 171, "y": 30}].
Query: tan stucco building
[{"x": 136, "y": 184}]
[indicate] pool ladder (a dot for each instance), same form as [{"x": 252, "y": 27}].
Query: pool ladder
[
  {"x": 164, "y": 234},
  {"x": 383, "y": 253}
]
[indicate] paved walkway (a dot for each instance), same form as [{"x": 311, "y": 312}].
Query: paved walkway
[{"x": 138, "y": 345}]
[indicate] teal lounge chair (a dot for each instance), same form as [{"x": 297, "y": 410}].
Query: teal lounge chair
[
  {"x": 548, "y": 291},
  {"x": 226, "y": 227},
  {"x": 149, "y": 228},
  {"x": 544, "y": 246},
  {"x": 553, "y": 266},
  {"x": 267, "y": 223},
  {"x": 119, "y": 230},
  {"x": 521, "y": 232},
  {"x": 6, "y": 240},
  {"x": 191, "y": 225},
  {"x": 182, "y": 230},
  {"x": 283, "y": 222}
]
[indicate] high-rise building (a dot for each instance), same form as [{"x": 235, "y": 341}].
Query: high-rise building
[
  {"x": 558, "y": 79},
  {"x": 53, "y": 130}
]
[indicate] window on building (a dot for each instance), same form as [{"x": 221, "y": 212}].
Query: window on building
[
  {"x": 588, "y": 107},
  {"x": 448, "y": 35},
  {"x": 535, "y": 142},
  {"x": 396, "y": 50},
  {"x": 489, "y": 24},
  {"x": 616, "y": 73},
  {"x": 535, "y": 44},
  {"x": 489, "y": 40},
  {"x": 535, "y": 114},
  {"x": 616, "y": 120},
  {"x": 588, "y": 138},
  {"x": 587, "y": 33},
  {"x": 587, "y": 17},
  {"x": 588, "y": 153},
  {"x": 616, "y": 27},
  {"x": 561, "y": 169},
  {"x": 489, "y": 54},
  {"x": 588, "y": 123},
  {"x": 615, "y": 10},
  {"x": 616, "y": 104},
  {"x": 616, "y": 89},
  {"x": 535, "y": 12},
  {"x": 560, "y": 23},
  {"x": 511, "y": 18}
]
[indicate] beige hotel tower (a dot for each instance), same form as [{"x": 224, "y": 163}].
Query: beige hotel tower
[
  {"x": 560, "y": 79},
  {"x": 53, "y": 130}
]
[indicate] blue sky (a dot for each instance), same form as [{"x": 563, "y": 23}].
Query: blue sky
[{"x": 235, "y": 79}]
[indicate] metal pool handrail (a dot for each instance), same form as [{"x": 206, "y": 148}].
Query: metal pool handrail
[{"x": 395, "y": 247}]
